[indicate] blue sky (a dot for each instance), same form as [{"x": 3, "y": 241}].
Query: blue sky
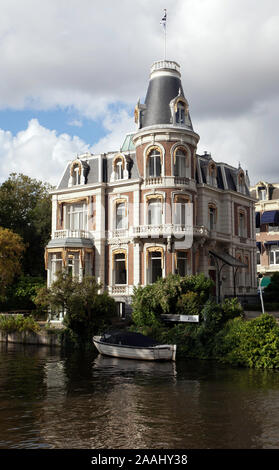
[
  {"x": 62, "y": 120},
  {"x": 72, "y": 72}
]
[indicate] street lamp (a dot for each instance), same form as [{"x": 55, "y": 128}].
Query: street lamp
[{"x": 260, "y": 277}]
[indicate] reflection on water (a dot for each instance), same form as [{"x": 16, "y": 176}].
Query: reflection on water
[{"x": 90, "y": 401}]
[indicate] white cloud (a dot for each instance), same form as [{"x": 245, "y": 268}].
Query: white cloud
[
  {"x": 118, "y": 125},
  {"x": 88, "y": 55},
  {"x": 38, "y": 152}
]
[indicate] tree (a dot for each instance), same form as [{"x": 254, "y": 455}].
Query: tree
[
  {"x": 25, "y": 208},
  {"x": 172, "y": 294},
  {"x": 11, "y": 251},
  {"x": 86, "y": 310},
  {"x": 271, "y": 291}
]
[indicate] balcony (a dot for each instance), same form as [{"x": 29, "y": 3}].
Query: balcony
[
  {"x": 144, "y": 231},
  {"x": 169, "y": 181},
  {"x": 71, "y": 234},
  {"x": 120, "y": 290},
  {"x": 161, "y": 230}
]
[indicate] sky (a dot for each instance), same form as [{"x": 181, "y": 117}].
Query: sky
[{"x": 72, "y": 72}]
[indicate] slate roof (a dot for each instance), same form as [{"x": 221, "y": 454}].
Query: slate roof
[{"x": 161, "y": 91}]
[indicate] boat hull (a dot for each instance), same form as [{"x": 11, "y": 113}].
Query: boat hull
[{"x": 154, "y": 353}]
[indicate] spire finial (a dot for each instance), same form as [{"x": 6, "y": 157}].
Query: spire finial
[{"x": 163, "y": 22}]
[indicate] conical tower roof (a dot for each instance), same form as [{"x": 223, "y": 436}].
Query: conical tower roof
[{"x": 164, "y": 90}]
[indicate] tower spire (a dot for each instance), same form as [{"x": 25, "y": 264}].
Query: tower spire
[{"x": 163, "y": 22}]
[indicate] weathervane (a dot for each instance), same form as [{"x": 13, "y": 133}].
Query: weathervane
[{"x": 163, "y": 22}]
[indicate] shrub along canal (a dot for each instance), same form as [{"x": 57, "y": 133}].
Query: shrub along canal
[{"x": 49, "y": 399}]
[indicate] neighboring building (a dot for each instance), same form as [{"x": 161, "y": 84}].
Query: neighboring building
[
  {"x": 267, "y": 228},
  {"x": 154, "y": 207}
]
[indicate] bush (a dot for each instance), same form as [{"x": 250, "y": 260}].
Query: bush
[
  {"x": 271, "y": 291},
  {"x": 172, "y": 294},
  {"x": 21, "y": 294},
  {"x": 253, "y": 343},
  {"x": 188, "y": 304},
  {"x": 86, "y": 311},
  {"x": 232, "y": 308},
  {"x": 10, "y": 324}
]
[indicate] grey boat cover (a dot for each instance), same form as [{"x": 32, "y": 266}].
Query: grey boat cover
[{"x": 127, "y": 338}]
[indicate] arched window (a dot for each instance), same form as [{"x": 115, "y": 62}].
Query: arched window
[
  {"x": 180, "y": 163},
  {"x": 118, "y": 166},
  {"x": 154, "y": 164},
  {"x": 75, "y": 172},
  {"x": 180, "y": 113}
]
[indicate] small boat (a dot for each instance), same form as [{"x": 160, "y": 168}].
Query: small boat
[{"x": 130, "y": 345}]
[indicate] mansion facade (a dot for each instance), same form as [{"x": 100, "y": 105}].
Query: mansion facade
[
  {"x": 267, "y": 228},
  {"x": 155, "y": 206}
]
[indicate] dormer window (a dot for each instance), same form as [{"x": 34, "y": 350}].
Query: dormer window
[
  {"x": 79, "y": 170},
  {"x": 241, "y": 182},
  {"x": 75, "y": 173},
  {"x": 180, "y": 113},
  {"x": 76, "y": 176},
  {"x": 262, "y": 194},
  {"x": 118, "y": 170},
  {"x": 212, "y": 174}
]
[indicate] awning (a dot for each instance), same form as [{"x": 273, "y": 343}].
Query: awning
[
  {"x": 265, "y": 281},
  {"x": 271, "y": 242},
  {"x": 228, "y": 259},
  {"x": 259, "y": 246},
  {"x": 270, "y": 217},
  {"x": 258, "y": 219}
]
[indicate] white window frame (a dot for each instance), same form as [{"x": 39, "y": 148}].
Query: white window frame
[
  {"x": 71, "y": 210},
  {"x": 180, "y": 113},
  {"x": 273, "y": 250},
  {"x": 157, "y": 205},
  {"x": 153, "y": 158},
  {"x": 119, "y": 260},
  {"x": 182, "y": 255},
  {"x": 121, "y": 223}
]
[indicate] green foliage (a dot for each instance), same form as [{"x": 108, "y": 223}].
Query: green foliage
[
  {"x": 253, "y": 343},
  {"x": 232, "y": 308},
  {"x": 188, "y": 304},
  {"x": 22, "y": 293},
  {"x": 11, "y": 252},
  {"x": 271, "y": 292},
  {"x": 86, "y": 311},
  {"x": 18, "y": 323},
  {"x": 25, "y": 208},
  {"x": 167, "y": 295}
]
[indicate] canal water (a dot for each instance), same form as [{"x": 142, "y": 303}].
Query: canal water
[{"x": 51, "y": 400}]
